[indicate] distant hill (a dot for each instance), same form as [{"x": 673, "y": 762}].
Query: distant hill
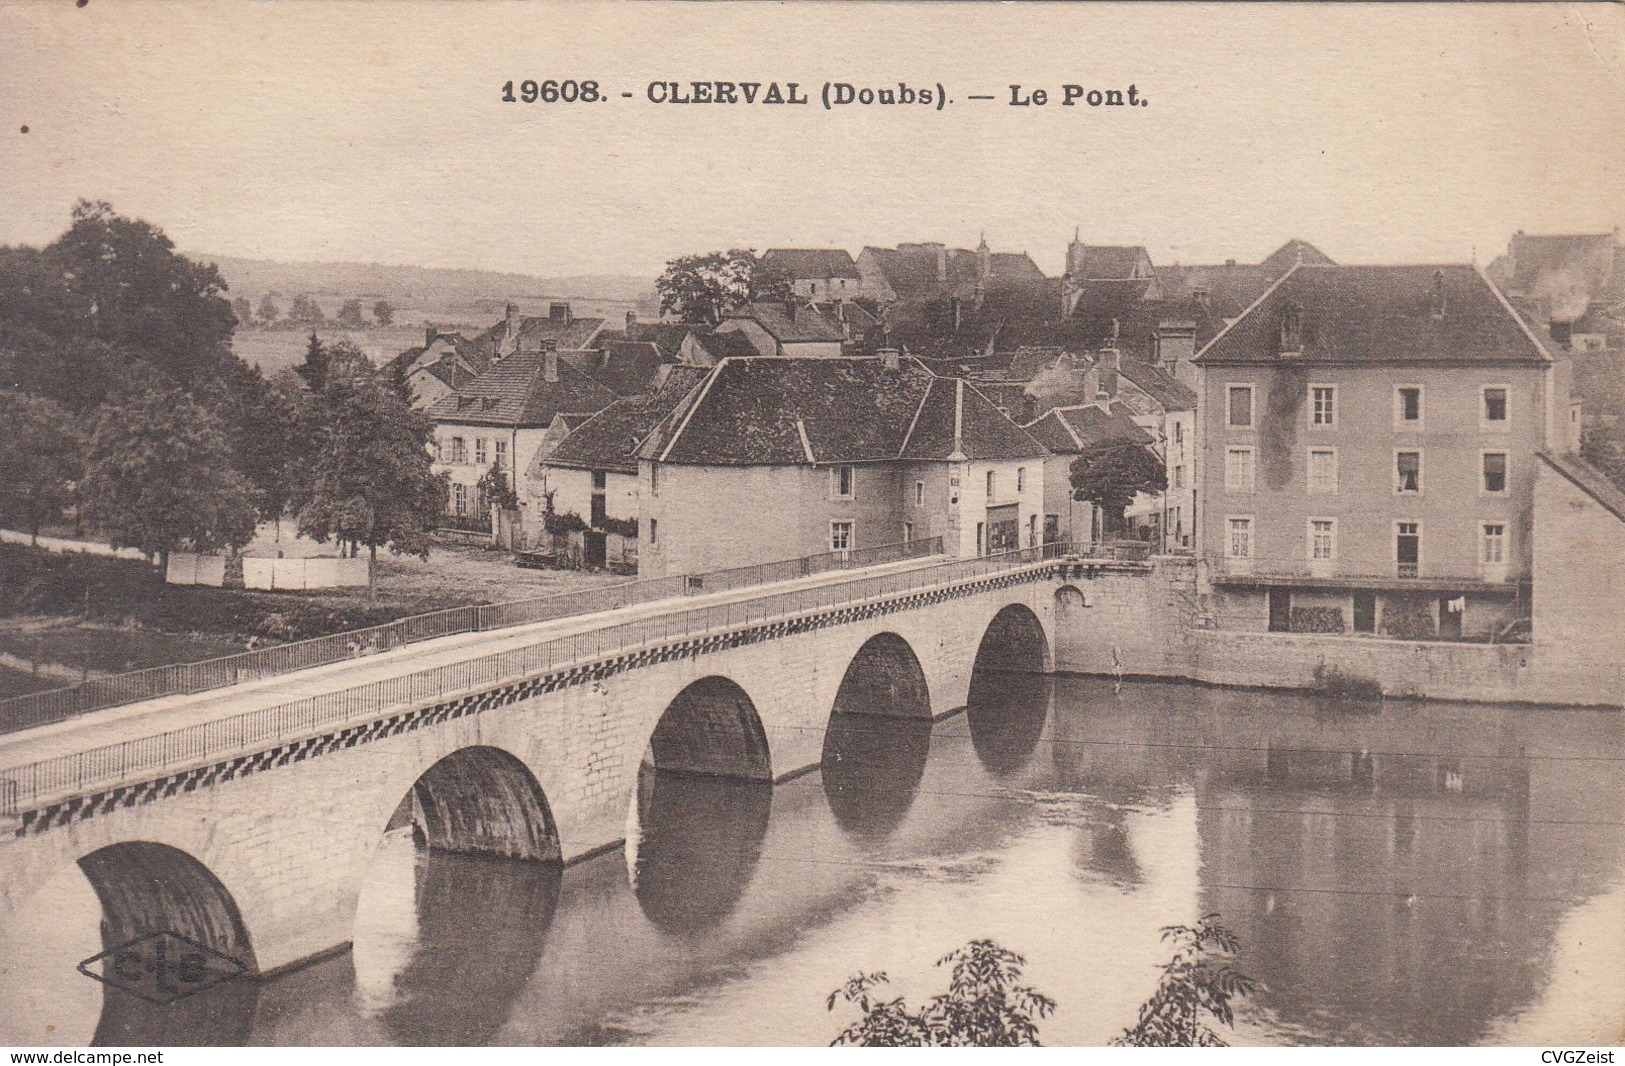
[{"x": 420, "y": 286}]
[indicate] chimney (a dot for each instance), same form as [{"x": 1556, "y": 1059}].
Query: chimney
[
  {"x": 942, "y": 263},
  {"x": 1436, "y": 299},
  {"x": 1229, "y": 262},
  {"x": 631, "y": 320},
  {"x": 558, "y": 313},
  {"x": 510, "y": 336},
  {"x": 1029, "y": 407},
  {"x": 1562, "y": 331},
  {"x": 891, "y": 358},
  {"x": 959, "y": 312},
  {"x": 429, "y": 334},
  {"x": 984, "y": 260},
  {"x": 550, "y": 360}
]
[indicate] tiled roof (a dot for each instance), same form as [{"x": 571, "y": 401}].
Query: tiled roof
[
  {"x": 794, "y": 411},
  {"x": 792, "y": 323},
  {"x": 610, "y": 439},
  {"x": 1386, "y": 313},
  {"x": 515, "y": 392},
  {"x": 1107, "y": 261},
  {"x": 626, "y": 367},
  {"x": 817, "y": 263},
  {"x": 1291, "y": 254},
  {"x": 1593, "y": 482},
  {"x": 729, "y": 345},
  {"x": 1085, "y": 428},
  {"x": 1584, "y": 260},
  {"x": 1161, "y": 386},
  {"x": 911, "y": 269}
]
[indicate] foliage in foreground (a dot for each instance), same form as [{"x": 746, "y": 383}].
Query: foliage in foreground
[
  {"x": 1198, "y": 981},
  {"x": 983, "y": 1007}
]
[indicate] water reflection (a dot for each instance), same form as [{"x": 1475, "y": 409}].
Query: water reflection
[
  {"x": 1426, "y": 874},
  {"x": 1006, "y": 712},
  {"x": 450, "y": 971},
  {"x": 871, "y": 770},
  {"x": 697, "y": 844},
  {"x": 221, "y": 1016}
]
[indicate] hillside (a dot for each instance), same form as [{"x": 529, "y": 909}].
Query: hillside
[{"x": 428, "y": 286}]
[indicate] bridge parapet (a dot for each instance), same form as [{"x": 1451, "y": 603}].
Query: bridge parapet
[{"x": 361, "y": 707}]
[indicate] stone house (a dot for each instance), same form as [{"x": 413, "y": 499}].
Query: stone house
[
  {"x": 789, "y": 329},
  {"x": 1068, "y": 432},
  {"x": 503, "y": 417},
  {"x": 815, "y": 273},
  {"x": 780, "y": 458},
  {"x": 1368, "y": 442}
]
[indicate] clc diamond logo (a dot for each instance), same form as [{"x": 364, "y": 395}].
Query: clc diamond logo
[{"x": 162, "y": 967}]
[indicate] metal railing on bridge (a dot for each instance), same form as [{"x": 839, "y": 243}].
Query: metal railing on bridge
[
  {"x": 25, "y": 787},
  {"x": 55, "y": 705}
]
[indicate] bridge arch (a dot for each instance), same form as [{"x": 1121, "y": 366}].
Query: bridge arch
[
  {"x": 884, "y": 678},
  {"x": 146, "y": 888},
  {"x": 481, "y": 800},
  {"x": 711, "y": 728},
  {"x": 878, "y": 737},
  {"x": 1008, "y": 703},
  {"x": 1014, "y": 642}
]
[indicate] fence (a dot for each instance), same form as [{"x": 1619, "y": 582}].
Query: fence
[
  {"x": 27, "y": 786},
  {"x": 54, "y": 705}
]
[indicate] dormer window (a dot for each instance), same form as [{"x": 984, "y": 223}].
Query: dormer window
[{"x": 1292, "y": 329}]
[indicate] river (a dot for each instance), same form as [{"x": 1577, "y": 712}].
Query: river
[{"x": 1397, "y": 874}]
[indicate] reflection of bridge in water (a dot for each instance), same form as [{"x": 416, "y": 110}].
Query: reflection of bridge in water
[{"x": 250, "y": 832}]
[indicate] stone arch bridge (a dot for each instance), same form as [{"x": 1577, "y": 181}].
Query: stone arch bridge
[{"x": 252, "y": 833}]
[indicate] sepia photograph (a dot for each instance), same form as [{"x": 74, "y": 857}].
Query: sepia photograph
[{"x": 731, "y": 524}]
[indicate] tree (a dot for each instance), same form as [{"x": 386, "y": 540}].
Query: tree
[
  {"x": 306, "y": 312},
  {"x": 983, "y": 1007},
  {"x": 384, "y": 312},
  {"x": 369, "y": 481},
  {"x": 1110, "y": 478},
  {"x": 495, "y": 490},
  {"x": 1198, "y": 980},
  {"x": 121, "y": 282},
  {"x": 269, "y": 311},
  {"x": 160, "y": 475},
  {"x": 41, "y": 455},
  {"x": 700, "y": 289},
  {"x": 350, "y": 315}
]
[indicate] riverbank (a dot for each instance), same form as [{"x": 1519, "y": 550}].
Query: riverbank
[{"x": 89, "y": 614}]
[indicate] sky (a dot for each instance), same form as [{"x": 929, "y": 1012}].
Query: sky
[{"x": 374, "y": 131}]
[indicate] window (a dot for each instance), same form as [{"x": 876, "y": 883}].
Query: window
[
  {"x": 600, "y": 480},
  {"x": 502, "y": 451},
  {"x": 654, "y": 531},
  {"x": 1322, "y": 406},
  {"x": 840, "y": 536},
  {"x": 439, "y": 450},
  {"x": 981, "y": 529},
  {"x": 1495, "y": 473},
  {"x": 842, "y": 482},
  {"x": 1239, "y": 406},
  {"x": 1408, "y": 548},
  {"x": 908, "y": 532},
  {"x": 479, "y": 450},
  {"x": 1240, "y": 470},
  {"x": 654, "y": 482},
  {"x": 1021, "y": 479},
  {"x": 1323, "y": 471},
  {"x": 1494, "y": 541},
  {"x": 1032, "y": 530},
  {"x": 1179, "y": 477},
  {"x": 1408, "y": 407},
  {"x": 1239, "y": 543},
  {"x": 459, "y": 499},
  {"x": 919, "y": 494},
  {"x": 990, "y": 481},
  {"x": 1323, "y": 538},
  {"x": 1493, "y": 413},
  {"x": 459, "y": 451},
  {"x": 1408, "y": 472}
]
